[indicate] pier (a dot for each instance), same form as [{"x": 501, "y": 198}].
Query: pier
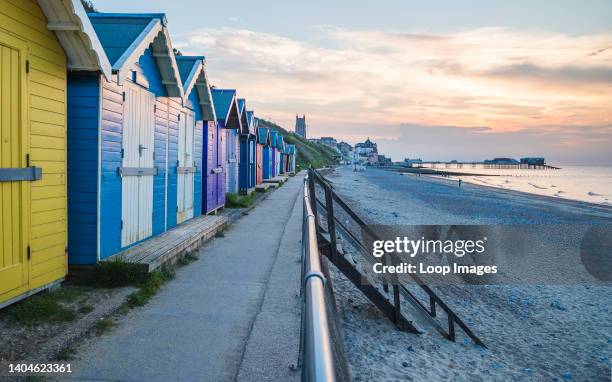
[{"x": 485, "y": 165}]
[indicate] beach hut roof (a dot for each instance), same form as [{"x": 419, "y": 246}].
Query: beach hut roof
[
  {"x": 290, "y": 149},
  {"x": 273, "y": 136},
  {"x": 193, "y": 76},
  {"x": 243, "y": 116},
  {"x": 226, "y": 107},
  {"x": 69, "y": 21},
  {"x": 241, "y": 105},
  {"x": 126, "y": 36},
  {"x": 251, "y": 122},
  {"x": 263, "y": 136},
  {"x": 279, "y": 142}
]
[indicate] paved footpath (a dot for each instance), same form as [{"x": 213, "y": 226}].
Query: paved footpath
[{"x": 232, "y": 315}]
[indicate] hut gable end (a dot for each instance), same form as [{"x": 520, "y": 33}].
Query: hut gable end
[{"x": 127, "y": 38}]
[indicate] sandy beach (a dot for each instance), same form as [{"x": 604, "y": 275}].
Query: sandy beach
[{"x": 533, "y": 332}]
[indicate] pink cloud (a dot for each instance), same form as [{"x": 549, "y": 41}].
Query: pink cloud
[{"x": 372, "y": 81}]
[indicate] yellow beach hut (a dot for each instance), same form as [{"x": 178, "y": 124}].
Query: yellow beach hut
[{"x": 39, "y": 42}]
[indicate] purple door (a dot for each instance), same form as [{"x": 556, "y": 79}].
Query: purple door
[
  {"x": 221, "y": 163},
  {"x": 214, "y": 192}
]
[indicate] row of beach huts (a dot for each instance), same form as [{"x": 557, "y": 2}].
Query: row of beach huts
[{"x": 108, "y": 138}]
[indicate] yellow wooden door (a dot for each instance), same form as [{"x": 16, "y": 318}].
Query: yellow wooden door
[{"x": 13, "y": 256}]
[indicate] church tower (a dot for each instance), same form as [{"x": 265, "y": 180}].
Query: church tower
[{"x": 300, "y": 126}]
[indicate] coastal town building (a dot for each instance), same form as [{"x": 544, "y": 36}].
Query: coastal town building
[
  {"x": 383, "y": 160},
  {"x": 329, "y": 141},
  {"x": 346, "y": 150},
  {"x": 372, "y": 158},
  {"x": 301, "y": 128},
  {"x": 366, "y": 152}
]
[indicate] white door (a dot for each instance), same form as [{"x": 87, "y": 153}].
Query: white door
[
  {"x": 186, "y": 167},
  {"x": 138, "y": 167}
]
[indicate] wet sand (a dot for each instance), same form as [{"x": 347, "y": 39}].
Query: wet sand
[{"x": 533, "y": 332}]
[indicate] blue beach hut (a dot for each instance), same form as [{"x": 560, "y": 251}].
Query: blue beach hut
[
  {"x": 187, "y": 167},
  {"x": 254, "y": 152},
  {"x": 247, "y": 154},
  {"x": 118, "y": 137},
  {"x": 263, "y": 140},
  {"x": 228, "y": 118},
  {"x": 273, "y": 154},
  {"x": 280, "y": 145},
  {"x": 291, "y": 155}
]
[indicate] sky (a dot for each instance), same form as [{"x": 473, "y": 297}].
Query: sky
[{"x": 439, "y": 80}]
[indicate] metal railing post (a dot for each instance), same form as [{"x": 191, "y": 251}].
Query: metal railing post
[
  {"x": 312, "y": 192},
  {"x": 331, "y": 222}
]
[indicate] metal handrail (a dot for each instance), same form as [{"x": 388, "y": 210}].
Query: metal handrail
[{"x": 317, "y": 356}]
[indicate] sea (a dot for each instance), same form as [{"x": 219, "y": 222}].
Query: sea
[{"x": 592, "y": 184}]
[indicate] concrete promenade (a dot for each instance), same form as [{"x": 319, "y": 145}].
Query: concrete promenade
[{"x": 232, "y": 315}]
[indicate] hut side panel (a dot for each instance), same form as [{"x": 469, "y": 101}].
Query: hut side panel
[
  {"x": 83, "y": 113},
  {"x": 162, "y": 124},
  {"x": 198, "y": 157},
  {"x": 193, "y": 103},
  {"x": 267, "y": 162},
  {"x": 260, "y": 154},
  {"x": 243, "y": 179},
  {"x": 232, "y": 154},
  {"x": 174, "y": 110},
  {"x": 253, "y": 163},
  {"x": 222, "y": 155},
  {"x": 210, "y": 178},
  {"x": 111, "y": 127}
]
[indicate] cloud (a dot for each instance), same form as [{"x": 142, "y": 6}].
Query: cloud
[
  {"x": 597, "y": 75},
  {"x": 598, "y": 51},
  {"x": 353, "y": 83}
]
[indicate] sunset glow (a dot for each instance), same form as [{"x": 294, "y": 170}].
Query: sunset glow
[{"x": 372, "y": 79}]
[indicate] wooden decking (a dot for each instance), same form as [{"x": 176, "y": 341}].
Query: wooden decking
[
  {"x": 170, "y": 246},
  {"x": 262, "y": 187},
  {"x": 276, "y": 181}
]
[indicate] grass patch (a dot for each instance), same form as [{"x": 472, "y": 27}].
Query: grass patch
[
  {"x": 66, "y": 355},
  {"x": 35, "y": 378},
  {"x": 238, "y": 201},
  {"x": 85, "y": 309},
  {"x": 220, "y": 233},
  {"x": 114, "y": 274},
  {"x": 188, "y": 259},
  {"x": 104, "y": 326},
  {"x": 150, "y": 286},
  {"x": 46, "y": 307},
  {"x": 123, "y": 310}
]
